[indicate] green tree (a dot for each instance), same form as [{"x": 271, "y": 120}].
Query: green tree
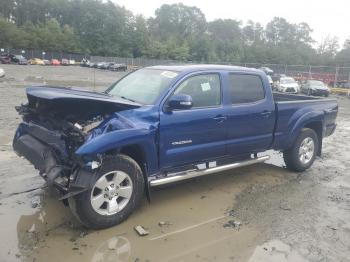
[
  {"x": 177, "y": 20},
  {"x": 343, "y": 56},
  {"x": 177, "y": 31},
  {"x": 227, "y": 38}
]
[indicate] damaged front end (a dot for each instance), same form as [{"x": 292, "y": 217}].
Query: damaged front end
[{"x": 56, "y": 123}]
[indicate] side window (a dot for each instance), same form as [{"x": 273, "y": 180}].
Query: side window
[
  {"x": 245, "y": 88},
  {"x": 205, "y": 90}
]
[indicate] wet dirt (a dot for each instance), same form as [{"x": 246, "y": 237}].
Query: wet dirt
[{"x": 256, "y": 213}]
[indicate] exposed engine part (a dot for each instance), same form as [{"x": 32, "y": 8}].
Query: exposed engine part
[
  {"x": 73, "y": 133},
  {"x": 91, "y": 124}
]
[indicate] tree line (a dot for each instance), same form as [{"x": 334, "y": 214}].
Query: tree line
[{"x": 176, "y": 31}]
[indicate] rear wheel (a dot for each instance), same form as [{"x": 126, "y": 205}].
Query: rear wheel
[
  {"x": 115, "y": 194},
  {"x": 303, "y": 153}
]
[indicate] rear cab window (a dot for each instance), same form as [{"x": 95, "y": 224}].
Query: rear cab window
[{"x": 245, "y": 88}]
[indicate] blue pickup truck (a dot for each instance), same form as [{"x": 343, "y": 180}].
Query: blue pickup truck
[{"x": 104, "y": 152}]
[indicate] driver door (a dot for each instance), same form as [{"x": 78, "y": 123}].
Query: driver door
[{"x": 197, "y": 134}]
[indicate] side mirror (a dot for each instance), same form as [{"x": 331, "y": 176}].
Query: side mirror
[{"x": 180, "y": 101}]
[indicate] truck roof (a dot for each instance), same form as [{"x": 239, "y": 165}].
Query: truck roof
[{"x": 203, "y": 67}]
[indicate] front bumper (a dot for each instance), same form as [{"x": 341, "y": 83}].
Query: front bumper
[
  {"x": 68, "y": 180},
  {"x": 320, "y": 92},
  {"x": 38, "y": 154},
  {"x": 44, "y": 156}
]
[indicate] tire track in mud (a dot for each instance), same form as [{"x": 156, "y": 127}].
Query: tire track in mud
[{"x": 308, "y": 212}]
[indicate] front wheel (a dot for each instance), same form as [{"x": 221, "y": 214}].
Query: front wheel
[
  {"x": 116, "y": 192},
  {"x": 303, "y": 152}
]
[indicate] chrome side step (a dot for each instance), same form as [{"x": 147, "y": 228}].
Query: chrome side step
[{"x": 179, "y": 176}]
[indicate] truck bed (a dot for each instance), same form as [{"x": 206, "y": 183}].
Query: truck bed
[
  {"x": 282, "y": 97},
  {"x": 292, "y": 109}
]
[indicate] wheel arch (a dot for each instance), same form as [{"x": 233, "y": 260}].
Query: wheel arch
[
  {"x": 137, "y": 153},
  {"x": 311, "y": 119}
]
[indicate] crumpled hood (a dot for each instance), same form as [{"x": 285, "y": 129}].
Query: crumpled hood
[{"x": 74, "y": 104}]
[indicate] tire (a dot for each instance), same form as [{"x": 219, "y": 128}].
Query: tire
[
  {"x": 124, "y": 173},
  {"x": 298, "y": 158}
]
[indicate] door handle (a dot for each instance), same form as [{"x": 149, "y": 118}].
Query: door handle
[
  {"x": 220, "y": 118},
  {"x": 266, "y": 114}
]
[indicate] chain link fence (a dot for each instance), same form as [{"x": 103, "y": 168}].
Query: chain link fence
[
  {"x": 331, "y": 75},
  {"x": 30, "y": 54}
]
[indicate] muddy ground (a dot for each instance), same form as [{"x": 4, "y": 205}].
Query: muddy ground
[{"x": 257, "y": 213}]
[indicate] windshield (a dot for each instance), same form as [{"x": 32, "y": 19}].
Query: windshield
[
  {"x": 287, "y": 81},
  {"x": 143, "y": 86},
  {"x": 316, "y": 83}
]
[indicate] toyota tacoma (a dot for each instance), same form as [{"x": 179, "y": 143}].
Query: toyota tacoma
[{"x": 103, "y": 152}]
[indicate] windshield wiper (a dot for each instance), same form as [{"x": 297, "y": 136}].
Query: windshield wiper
[{"x": 128, "y": 99}]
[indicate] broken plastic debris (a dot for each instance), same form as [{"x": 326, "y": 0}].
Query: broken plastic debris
[
  {"x": 94, "y": 164},
  {"x": 233, "y": 224},
  {"x": 141, "y": 231},
  {"x": 78, "y": 126},
  {"x": 164, "y": 223}
]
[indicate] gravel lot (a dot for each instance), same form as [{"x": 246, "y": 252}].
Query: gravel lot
[{"x": 256, "y": 213}]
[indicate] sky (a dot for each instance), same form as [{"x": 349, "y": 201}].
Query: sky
[{"x": 324, "y": 17}]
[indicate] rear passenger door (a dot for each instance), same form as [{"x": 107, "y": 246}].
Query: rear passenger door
[{"x": 250, "y": 113}]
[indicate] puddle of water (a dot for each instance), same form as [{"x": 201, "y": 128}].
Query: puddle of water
[
  {"x": 195, "y": 213},
  {"x": 275, "y": 251}
]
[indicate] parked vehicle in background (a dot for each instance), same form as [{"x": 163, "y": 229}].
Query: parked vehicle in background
[
  {"x": 269, "y": 73},
  {"x": 276, "y": 78},
  {"x": 315, "y": 87},
  {"x": 85, "y": 62},
  {"x": 267, "y": 70},
  {"x": 55, "y": 62},
  {"x": 64, "y": 62},
  {"x": 71, "y": 62},
  {"x": 343, "y": 84},
  {"x": 36, "y": 61},
  {"x": 47, "y": 62},
  {"x": 288, "y": 85},
  {"x": 159, "y": 125},
  {"x": 18, "y": 59},
  {"x": 118, "y": 67},
  {"x": 102, "y": 65},
  {"x": 5, "y": 59},
  {"x": 2, "y": 72},
  {"x": 270, "y": 80},
  {"x": 110, "y": 66},
  {"x": 105, "y": 65}
]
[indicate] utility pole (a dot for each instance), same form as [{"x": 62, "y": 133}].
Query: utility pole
[
  {"x": 310, "y": 74},
  {"x": 336, "y": 77}
]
